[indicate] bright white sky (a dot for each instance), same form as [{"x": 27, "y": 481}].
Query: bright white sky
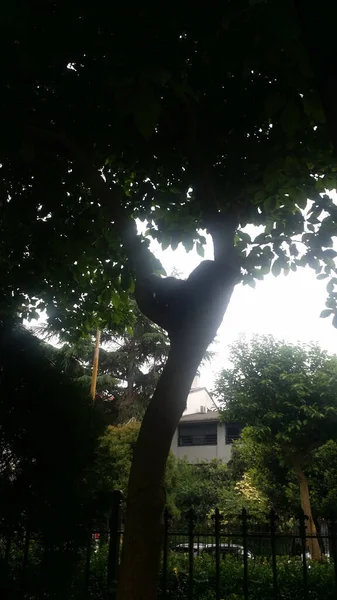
[{"x": 287, "y": 307}]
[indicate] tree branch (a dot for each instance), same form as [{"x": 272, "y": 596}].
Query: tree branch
[
  {"x": 169, "y": 302},
  {"x": 318, "y": 37},
  {"x": 111, "y": 198}
]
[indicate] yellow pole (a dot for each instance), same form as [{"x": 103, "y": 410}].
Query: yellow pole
[{"x": 95, "y": 365}]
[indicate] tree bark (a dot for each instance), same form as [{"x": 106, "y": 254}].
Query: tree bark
[
  {"x": 95, "y": 365},
  {"x": 312, "y": 543},
  {"x": 138, "y": 578}
]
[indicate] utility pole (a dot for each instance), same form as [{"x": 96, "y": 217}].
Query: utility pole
[{"x": 95, "y": 365}]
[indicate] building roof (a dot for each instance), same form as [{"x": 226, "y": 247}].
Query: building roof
[
  {"x": 210, "y": 415},
  {"x": 197, "y": 389}
]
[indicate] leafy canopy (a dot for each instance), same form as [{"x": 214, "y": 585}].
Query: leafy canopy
[
  {"x": 196, "y": 119},
  {"x": 128, "y": 369},
  {"x": 286, "y": 393},
  {"x": 114, "y": 460},
  {"x": 48, "y": 442}
]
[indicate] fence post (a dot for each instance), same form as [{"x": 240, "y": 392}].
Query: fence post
[
  {"x": 273, "y": 518},
  {"x": 115, "y": 523},
  {"x": 217, "y": 527},
  {"x": 302, "y": 522},
  {"x": 333, "y": 547},
  {"x": 8, "y": 549},
  {"x": 25, "y": 562},
  {"x": 87, "y": 560},
  {"x": 244, "y": 518},
  {"x": 191, "y": 520},
  {"x": 165, "y": 551}
]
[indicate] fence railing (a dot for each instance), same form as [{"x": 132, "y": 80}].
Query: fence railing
[{"x": 235, "y": 551}]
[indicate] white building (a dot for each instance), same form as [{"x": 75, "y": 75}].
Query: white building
[
  {"x": 199, "y": 399},
  {"x": 201, "y": 436}
]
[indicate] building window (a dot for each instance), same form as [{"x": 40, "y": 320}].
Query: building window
[
  {"x": 198, "y": 434},
  {"x": 233, "y": 432}
]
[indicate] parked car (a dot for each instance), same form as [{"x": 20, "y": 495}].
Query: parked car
[
  {"x": 225, "y": 549},
  {"x": 185, "y": 548}
]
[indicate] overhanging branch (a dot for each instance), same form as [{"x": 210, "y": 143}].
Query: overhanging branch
[
  {"x": 318, "y": 37},
  {"x": 111, "y": 198}
]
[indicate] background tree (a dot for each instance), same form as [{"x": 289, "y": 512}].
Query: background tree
[
  {"x": 49, "y": 439},
  {"x": 287, "y": 395},
  {"x": 207, "y": 485},
  {"x": 322, "y": 475},
  {"x": 207, "y": 132},
  {"x": 114, "y": 458},
  {"x": 128, "y": 370},
  {"x": 272, "y": 477},
  {"x": 199, "y": 486}
]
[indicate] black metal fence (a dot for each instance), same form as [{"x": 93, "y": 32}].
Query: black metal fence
[
  {"x": 221, "y": 559},
  {"x": 251, "y": 545}
]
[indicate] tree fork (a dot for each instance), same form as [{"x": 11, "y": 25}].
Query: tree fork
[
  {"x": 191, "y": 312},
  {"x": 146, "y": 498}
]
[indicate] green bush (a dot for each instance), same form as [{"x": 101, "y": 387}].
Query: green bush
[
  {"x": 62, "y": 577},
  {"x": 321, "y": 582}
]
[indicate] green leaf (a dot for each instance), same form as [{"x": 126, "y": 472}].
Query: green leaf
[
  {"x": 276, "y": 267},
  {"x": 200, "y": 249},
  {"x": 165, "y": 242},
  {"x": 115, "y": 299},
  {"x": 260, "y": 239},
  {"x": 314, "y": 263},
  {"x": 329, "y": 253},
  {"x": 269, "y": 228},
  {"x": 245, "y": 237},
  {"x": 334, "y": 321},
  {"x": 302, "y": 200},
  {"x": 325, "y": 313},
  {"x": 188, "y": 244},
  {"x": 322, "y": 276},
  {"x": 265, "y": 269}
]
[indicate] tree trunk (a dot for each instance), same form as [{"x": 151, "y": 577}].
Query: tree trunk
[
  {"x": 312, "y": 543},
  {"x": 95, "y": 365},
  {"x": 138, "y": 578}
]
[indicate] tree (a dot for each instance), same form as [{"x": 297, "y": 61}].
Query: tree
[
  {"x": 273, "y": 478},
  {"x": 213, "y": 130},
  {"x": 128, "y": 369},
  {"x": 287, "y": 395},
  {"x": 48, "y": 442},
  {"x": 114, "y": 458},
  {"x": 206, "y": 485},
  {"x": 322, "y": 475},
  {"x": 198, "y": 486}
]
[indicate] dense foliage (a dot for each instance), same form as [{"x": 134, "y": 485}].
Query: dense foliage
[
  {"x": 128, "y": 369},
  {"x": 260, "y": 579},
  {"x": 285, "y": 393},
  {"x": 203, "y": 486},
  {"x": 48, "y": 443},
  {"x": 187, "y": 119},
  {"x": 217, "y": 109}
]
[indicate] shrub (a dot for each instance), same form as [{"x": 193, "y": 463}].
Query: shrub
[{"x": 260, "y": 579}]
